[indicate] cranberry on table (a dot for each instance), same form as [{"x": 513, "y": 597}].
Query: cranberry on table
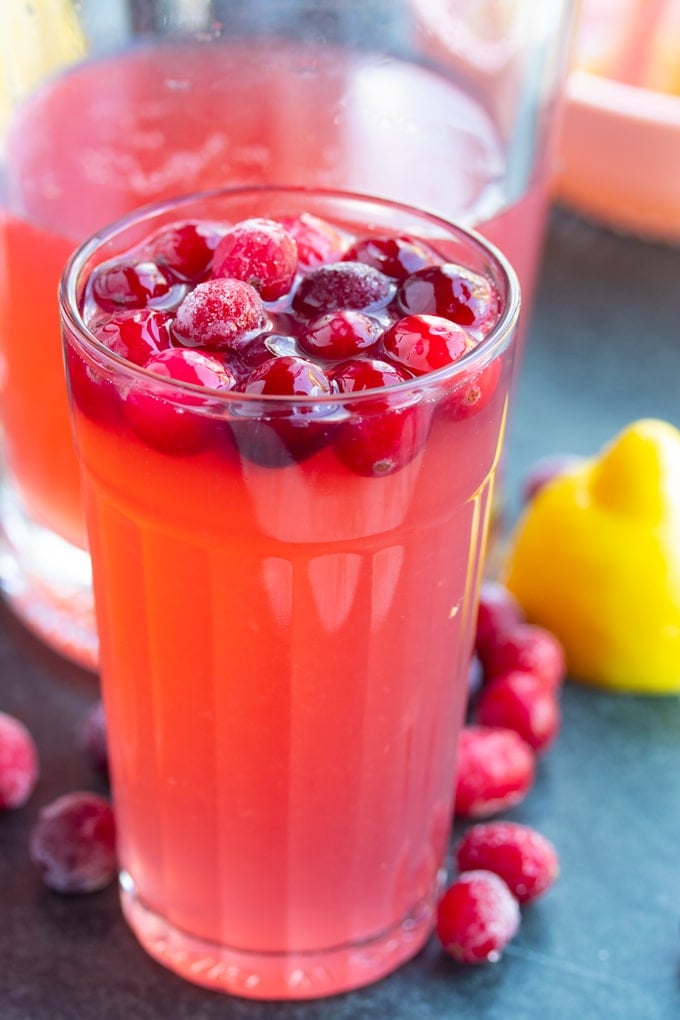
[
  {"x": 93, "y": 737},
  {"x": 19, "y": 764},
  {"x": 343, "y": 285},
  {"x": 396, "y": 257},
  {"x": 498, "y": 611},
  {"x": 521, "y": 702},
  {"x": 73, "y": 843},
  {"x": 425, "y": 343},
  {"x": 184, "y": 250},
  {"x": 526, "y": 861},
  {"x": 495, "y": 771},
  {"x": 452, "y": 291},
  {"x": 136, "y": 334},
  {"x": 340, "y": 334},
  {"x": 218, "y": 314},
  {"x": 129, "y": 285},
  {"x": 529, "y": 648},
  {"x": 476, "y": 917},
  {"x": 262, "y": 253}
]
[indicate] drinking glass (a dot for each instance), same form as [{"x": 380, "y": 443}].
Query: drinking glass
[
  {"x": 449, "y": 104},
  {"x": 286, "y": 592}
]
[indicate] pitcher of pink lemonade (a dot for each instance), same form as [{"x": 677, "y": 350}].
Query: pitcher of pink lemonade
[{"x": 446, "y": 104}]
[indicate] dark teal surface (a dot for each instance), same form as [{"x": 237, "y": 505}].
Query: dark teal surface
[{"x": 604, "y": 944}]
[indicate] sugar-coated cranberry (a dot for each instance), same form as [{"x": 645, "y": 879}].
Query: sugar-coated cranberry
[
  {"x": 281, "y": 436},
  {"x": 498, "y": 612},
  {"x": 134, "y": 335},
  {"x": 452, "y": 291},
  {"x": 317, "y": 241},
  {"x": 93, "y": 737},
  {"x": 425, "y": 343},
  {"x": 262, "y": 253},
  {"x": 547, "y": 469},
  {"x": 340, "y": 334},
  {"x": 184, "y": 250},
  {"x": 529, "y": 648},
  {"x": 495, "y": 771},
  {"x": 19, "y": 764},
  {"x": 525, "y": 860},
  {"x": 521, "y": 702},
  {"x": 166, "y": 418},
  {"x": 343, "y": 285},
  {"x": 397, "y": 257},
  {"x": 476, "y": 917},
  {"x": 129, "y": 285},
  {"x": 364, "y": 373},
  {"x": 73, "y": 843},
  {"x": 218, "y": 313}
]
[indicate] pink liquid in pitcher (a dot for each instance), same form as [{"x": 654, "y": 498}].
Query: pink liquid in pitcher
[{"x": 160, "y": 121}]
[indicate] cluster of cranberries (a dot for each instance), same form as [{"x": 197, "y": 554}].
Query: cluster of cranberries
[
  {"x": 291, "y": 308},
  {"x": 515, "y": 717}
]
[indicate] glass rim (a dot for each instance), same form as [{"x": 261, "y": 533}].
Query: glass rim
[{"x": 491, "y": 345}]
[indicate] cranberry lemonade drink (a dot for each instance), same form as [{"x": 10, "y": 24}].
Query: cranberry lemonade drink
[
  {"x": 288, "y": 406},
  {"x": 360, "y": 95}
]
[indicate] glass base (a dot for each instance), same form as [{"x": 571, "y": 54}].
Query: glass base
[
  {"x": 307, "y": 974},
  {"x": 47, "y": 582}
]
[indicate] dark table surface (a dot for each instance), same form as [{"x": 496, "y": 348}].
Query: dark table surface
[{"x": 604, "y": 349}]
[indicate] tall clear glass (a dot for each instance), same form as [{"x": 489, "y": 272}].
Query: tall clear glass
[
  {"x": 448, "y": 104},
  {"x": 286, "y": 592}
]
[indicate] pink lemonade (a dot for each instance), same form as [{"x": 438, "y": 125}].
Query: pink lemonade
[
  {"x": 155, "y": 122},
  {"x": 286, "y": 574}
]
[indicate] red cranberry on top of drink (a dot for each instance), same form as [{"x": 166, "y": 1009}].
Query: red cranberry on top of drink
[{"x": 358, "y": 312}]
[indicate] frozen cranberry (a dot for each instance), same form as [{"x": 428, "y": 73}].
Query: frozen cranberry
[
  {"x": 184, "y": 250},
  {"x": 476, "y": 917},
  {"x": 343, "y": 285},
  {"x": 134, "y": 335},
  {"x": 218, "y": 314},
  {"x": 520, "y": 702},
  {"x": 525, "y": 860},
  {"x": 341, "y": 334},
  {"x": 453, "y": 292},
  {"x": 93, "y": 737},
  {"x": 19, "y": 764},
  {"x": 262, "y": 253},
  {"x": 317, "y": 241},
  {"x": 424, "y": 343},
  {"x": 472, "y": 392},
  {"x": 129, "y": 285},
  {"x": 495, "y": 771},
  {"x": 74, "y": 843},
  {"x": 528, "y": 648},
  {"x": 545, "y": 470},
  {"x": 396, "y": 257},
  {"x": 166, "y": 418},
  {"x": 284, "y": 434},
  {"x": 498, "y": 611}
]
